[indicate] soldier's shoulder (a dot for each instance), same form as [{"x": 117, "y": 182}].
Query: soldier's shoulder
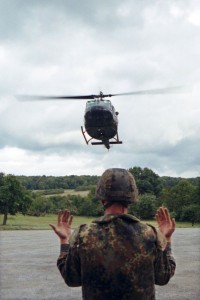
[
  {"x": 151, "y": 228},
  {"x": 81, "y": 231},
  {"x": 160, "y": 238}
]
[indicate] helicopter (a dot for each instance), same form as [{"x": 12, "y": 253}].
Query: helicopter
[
  {"x": 100, "y": 117},
  {"x": 101, "y": 121}
]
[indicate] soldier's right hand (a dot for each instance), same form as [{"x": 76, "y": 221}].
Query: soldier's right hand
[
  {"x": 165, "y": 224},
  {"x": 63, "y": 227}
]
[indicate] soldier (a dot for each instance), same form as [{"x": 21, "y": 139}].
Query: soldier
[{"x": 116, "y": 257}]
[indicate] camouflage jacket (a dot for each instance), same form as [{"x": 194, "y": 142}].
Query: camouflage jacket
[{"x": 116, "y": 257}]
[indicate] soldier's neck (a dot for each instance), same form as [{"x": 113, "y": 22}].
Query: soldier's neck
[{"x": 116, "y": 209}]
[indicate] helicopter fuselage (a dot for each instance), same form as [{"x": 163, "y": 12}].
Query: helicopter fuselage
[{"x": 100, "y": 119}]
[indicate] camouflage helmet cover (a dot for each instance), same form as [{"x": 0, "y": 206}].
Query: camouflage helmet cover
[{"x": 117, "y": 185}]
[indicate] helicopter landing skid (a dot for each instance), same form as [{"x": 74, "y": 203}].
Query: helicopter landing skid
[
  {"x": 83, "y": 133},
  {"x": 115, "y": 141},
  {"x": 110, "y": 142}
]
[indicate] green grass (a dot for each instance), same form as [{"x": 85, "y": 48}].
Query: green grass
[
  {"x": 20, "y": 222},
  {"x": 73, "y": 192},
  {"x": 178, "y": 224},
  {"x": 68, "y": 192}
]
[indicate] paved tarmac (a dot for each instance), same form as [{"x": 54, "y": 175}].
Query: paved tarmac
[{"x": 28, "y": 267}]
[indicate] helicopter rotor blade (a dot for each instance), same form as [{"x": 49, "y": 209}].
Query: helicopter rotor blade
[
  {"x": 168, "y": 90},
  {"x": 41, "y": 97}
]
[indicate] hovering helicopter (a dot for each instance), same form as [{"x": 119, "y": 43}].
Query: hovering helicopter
[{"x": 100, "y": 118}]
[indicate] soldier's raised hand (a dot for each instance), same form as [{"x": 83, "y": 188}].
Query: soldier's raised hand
[
  {"x": 165, "y": 224},
  {"x": 63, "y": 227}
]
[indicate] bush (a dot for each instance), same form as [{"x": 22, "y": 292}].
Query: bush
[
  {"x": 40, "y": 206},
  {"x": 191, "y": 213},
  {"x": 145, "y": 208}
]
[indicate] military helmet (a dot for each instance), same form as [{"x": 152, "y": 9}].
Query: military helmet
[{"x": 117, "y": 185}]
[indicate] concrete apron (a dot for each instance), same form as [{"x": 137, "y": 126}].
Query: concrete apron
[{"x": 28, "y": 267}]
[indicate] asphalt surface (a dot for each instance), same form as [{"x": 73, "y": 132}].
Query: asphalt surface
[{"x": 28, "y": 267}]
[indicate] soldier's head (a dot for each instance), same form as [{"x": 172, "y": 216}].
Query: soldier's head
[{"x": 117, "y": 186}]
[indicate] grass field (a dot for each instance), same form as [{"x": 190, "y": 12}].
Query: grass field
[
  {"x": 20, "y": 222},
  {"x": 67, "y": 192},
  {"x": 73, "y": 192}
]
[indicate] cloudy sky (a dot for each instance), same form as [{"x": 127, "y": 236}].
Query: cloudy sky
[{"x": 58, "y": 47}]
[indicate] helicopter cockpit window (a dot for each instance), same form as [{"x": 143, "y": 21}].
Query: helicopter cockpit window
[
  {"x": 91, "y": 102},
  {"x": 106, "y": 103}
]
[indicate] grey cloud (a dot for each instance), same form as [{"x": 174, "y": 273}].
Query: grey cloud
[
  {"x": 61, "y": 47},
  {"x": 178, "y": 160},
  {"x": 103, "y": 15}
]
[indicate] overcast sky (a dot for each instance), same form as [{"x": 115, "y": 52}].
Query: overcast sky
[{"x": 57, "y": 47}]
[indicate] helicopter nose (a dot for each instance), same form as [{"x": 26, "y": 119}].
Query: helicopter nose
[
  {"x": 105, "y": 114},
  {"x": 98, "y": 113},
  {"x": 88, "y": 115}
]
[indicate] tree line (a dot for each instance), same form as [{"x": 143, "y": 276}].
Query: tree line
[
  {"x": 20, "y": 194},
  {"x": 57, "y": 182},
  {"x": 82, "y": 182}
]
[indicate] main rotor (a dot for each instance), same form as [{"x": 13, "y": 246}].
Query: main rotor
[{"x": 100, "y": 96}]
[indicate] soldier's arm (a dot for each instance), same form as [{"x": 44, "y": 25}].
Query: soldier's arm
[
  {"x": 165, "y": 265},
  {"x": 68, "y": 264},
  {"x": 68, "y": 261}
]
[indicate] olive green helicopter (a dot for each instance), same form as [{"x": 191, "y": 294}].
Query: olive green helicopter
[{"x": 100, "y": 118}]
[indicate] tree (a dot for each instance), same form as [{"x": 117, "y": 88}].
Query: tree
[
  {"x": 147, "y": 181},
  {"x": 166, "y": 198},
  {"x": 181, "y": 196},
  {"x": 40, "y": 206},
  {"x": 96, "y": 207},
  {"x": 13, "y": 197},
  {"x": 51, "y": 182},
  {"x": 178, "y": 197},
  {"x": 62, "y": 202},
  {"x": 191, "y": 213},
  {"x": 87, "y": 206},
  {"x": 196, "y": 194},
  {"x": 145, "y": 208}
]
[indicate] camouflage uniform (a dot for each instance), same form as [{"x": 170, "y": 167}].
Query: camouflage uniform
[{"x": 116, "y": 257}]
